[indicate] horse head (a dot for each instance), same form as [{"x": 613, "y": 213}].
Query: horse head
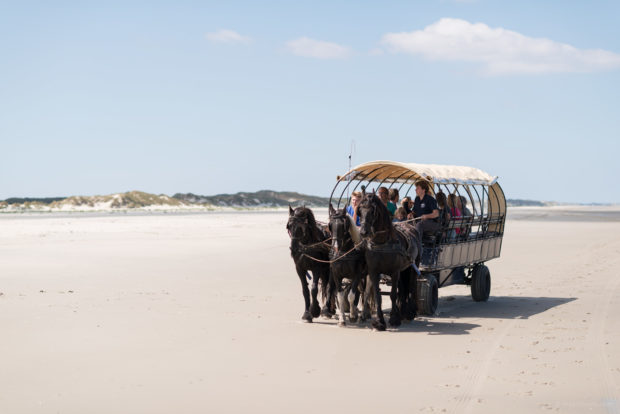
[
  {"x": 301, "y": 226},
  {"x": 374, "y": 216},
  {"x": 339, "y": 227}
]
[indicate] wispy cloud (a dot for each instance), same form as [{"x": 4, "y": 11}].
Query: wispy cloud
[
  {"x": 498, "y": 50},
  {"x": 304, "y": 46},
  {"x": 228, "y": 36}
]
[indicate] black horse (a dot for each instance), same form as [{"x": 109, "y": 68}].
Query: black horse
[
  {"x": 348, "y": 263},
  {"x": 390, "y": 250},
  {"x": 310, "y": 249}
]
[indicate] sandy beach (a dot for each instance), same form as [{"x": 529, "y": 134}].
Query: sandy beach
[{"x": 195, "y": 313}]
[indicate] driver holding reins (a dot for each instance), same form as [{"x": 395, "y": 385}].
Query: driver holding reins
[{"x": 425, "y": 209}]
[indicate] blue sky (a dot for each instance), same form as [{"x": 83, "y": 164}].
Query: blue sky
[{"x": 215, "y": 97}]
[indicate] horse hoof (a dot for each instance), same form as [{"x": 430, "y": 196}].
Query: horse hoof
[
  {"x": 315, "y": 311},
  {"x": 378, "y": 325},
  {"x": 395, "y": 322},
  {"x": 306, "y": 317},
  {"x": 410, "y": 316},
  {"x": 342, "y": 324},
  {"x": 353, "y": 320},
  {"x": 326, "y": 313}
]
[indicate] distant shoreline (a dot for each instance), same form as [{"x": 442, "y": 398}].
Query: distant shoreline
[{"x": 567, "y": 213}]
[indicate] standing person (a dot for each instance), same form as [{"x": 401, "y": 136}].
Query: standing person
[
  {"x": 425, "y": 209},
  {"x": 356, "y": 197}
]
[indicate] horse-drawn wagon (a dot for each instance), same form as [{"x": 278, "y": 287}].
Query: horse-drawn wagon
[{"x": 456, "y": 254}]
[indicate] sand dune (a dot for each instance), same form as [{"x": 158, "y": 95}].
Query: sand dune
[{"x": 201, "y": 313}]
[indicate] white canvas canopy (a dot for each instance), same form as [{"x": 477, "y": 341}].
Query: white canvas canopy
[
  {"x": 390, "y": 172},
  {"x": 401, "y": 172}
]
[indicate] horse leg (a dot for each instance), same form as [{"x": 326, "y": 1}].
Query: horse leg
[
  {"x": 407, "y": 294},
  {"x": 413, "y": 292},
  {"x": 341, "y": 299},
  {"x": 306, "y": 292},
  {"x": 403, "y": 291},
  {"x": 332, "y": 295},
  {"x": 354, "y": 296},
  {"x": 365, "y": 303},
  {"x": 395, "y": 318},
  {"x": 315, "y": 309},
  {"x": 328, "y": 294},
  {"x": 379, "y": 323}
]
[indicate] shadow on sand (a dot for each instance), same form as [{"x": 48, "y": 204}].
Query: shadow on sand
[
  {"x": 455, "y": 307},
  {"x": 420, "y": 325},
  {"x": 503, "y": 307}
]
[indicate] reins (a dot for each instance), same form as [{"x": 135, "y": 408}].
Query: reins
[
  {"x": 308, "y": 246},
  {"x": 336, "y": 259},
  {"x": 413, "y": 219}
]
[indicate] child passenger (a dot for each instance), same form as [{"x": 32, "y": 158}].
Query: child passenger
[
  {"x": 400, "y": 215},
  {"x": 356, "y": 198}
]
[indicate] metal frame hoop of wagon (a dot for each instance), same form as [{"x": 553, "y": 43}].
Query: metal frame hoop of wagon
[{"x": 448, "y": 258}]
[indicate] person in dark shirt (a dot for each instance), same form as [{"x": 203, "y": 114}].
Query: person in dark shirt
[
  {"x": 464, "y": 210},
  {"x": 407, "y": 204},
  {"x": 444, "y": 210},
  {"x": 425, "y": 209}
]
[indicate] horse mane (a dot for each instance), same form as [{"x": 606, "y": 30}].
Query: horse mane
[
  {"x": 384, "y": 222},
  {"x": 313, "y": 226}
]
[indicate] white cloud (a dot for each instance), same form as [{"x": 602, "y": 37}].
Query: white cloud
[
  {"x": 500, "y": 51},
  {"x": 227, "y": 36},
  {"x": 307, "y": 47}
]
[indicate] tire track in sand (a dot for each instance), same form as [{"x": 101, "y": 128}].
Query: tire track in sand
[
  {"x": 595, "y": 343},
  {"x": 466, "y": 402}
]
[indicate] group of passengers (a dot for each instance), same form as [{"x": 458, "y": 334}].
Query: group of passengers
[{"x": 431, "y": 213}]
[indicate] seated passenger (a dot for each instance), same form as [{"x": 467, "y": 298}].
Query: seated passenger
[
  {"x": 383, "y": 195},
  {"x": 464, "y": 209},
  {"x": 444, "y": 214},
  {"x": 455, "y": 212},
  {"x": 356, "y": 198},
  {"x": 425, "y": 208},
  {"x": 400, "y": 215},
  {"x": 392, "y": 204},
  {"x": 444, "y": 211},
  {"x": 407, "y": 204}
]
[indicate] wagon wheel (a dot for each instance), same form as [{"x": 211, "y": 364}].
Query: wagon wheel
[
  {"x": 428, "y": 293},
  {"x": 480, "y": 283}
]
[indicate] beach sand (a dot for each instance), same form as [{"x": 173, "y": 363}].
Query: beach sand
[{"x": 196, "y": 313}]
